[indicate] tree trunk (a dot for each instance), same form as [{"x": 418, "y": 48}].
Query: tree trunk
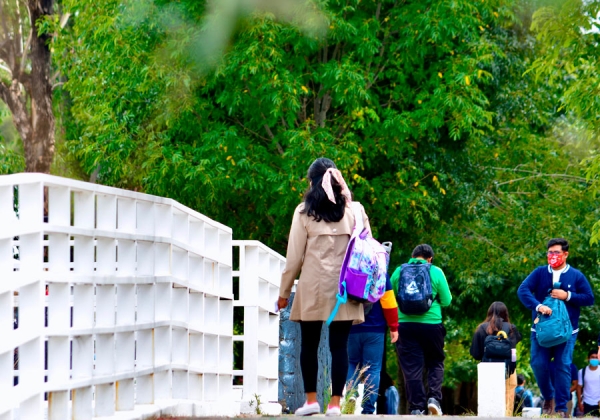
[
  {"x": 29, "y": 95},
  {"x": 39, "y": 147}
]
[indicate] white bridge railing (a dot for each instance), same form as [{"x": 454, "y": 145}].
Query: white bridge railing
[
  {"x": 112, "y": 300},
  {"x": 259, "y": 277}
]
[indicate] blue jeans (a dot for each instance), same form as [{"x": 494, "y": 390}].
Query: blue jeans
[
  {"x": 366, "y": 349},
  {"x": 540, "y": 363}
]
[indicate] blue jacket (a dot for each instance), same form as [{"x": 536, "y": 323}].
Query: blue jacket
[
  {"x": 383, "y": 314},
  {"x": 527, "y": 396},
  {"x": 538, "y": 284}
]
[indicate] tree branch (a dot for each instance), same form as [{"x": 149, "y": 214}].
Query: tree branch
[
  {"x": 484, "y": 239},
  {"x": 3, "y": 15},
  {"x": 381, "y": 69},
  {"x": 7, "y": 46},
  {"x": 18, "y": 34},
  {"x": 238, "y": 122},
  {"x": 24, "y": 54},
  {"x": 336, "y": 51},
  {"x": 267, "y": 128},
  {"x": 540, "y": 175},
  {"x": 64, "y": 19},
  {"x": 6, "y": 69},
  {"x": 4, "y": 94}
]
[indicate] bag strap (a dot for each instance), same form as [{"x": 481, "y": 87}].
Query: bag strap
[
  {"x": 358, "y": 219},
  {"x": 505, "y": 328},
  {"x": 583, "y": 377},
  {"x": 342, "y": 295},
  {"x": 340, "y": 300}
]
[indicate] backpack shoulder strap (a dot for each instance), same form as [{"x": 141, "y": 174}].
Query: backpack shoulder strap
[
  {"x": 358, "y": 219},
  {"x": 506, "y": 328},
  {"x": 358, "y": 227},
  {"x": 583, "y": 377}
]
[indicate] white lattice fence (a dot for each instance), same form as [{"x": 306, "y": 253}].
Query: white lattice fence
[
  {"x": 138, "y": 291},
  {"x": 259, "y": 276}
]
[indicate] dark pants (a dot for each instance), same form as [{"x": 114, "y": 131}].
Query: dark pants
[
  {"x": 421, "y": 346},
  {"x": 591, "y": 409},
  {"x": 338, "y": 345}
]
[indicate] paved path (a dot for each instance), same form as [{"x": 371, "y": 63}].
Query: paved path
[{"x": 345, "y": 417}]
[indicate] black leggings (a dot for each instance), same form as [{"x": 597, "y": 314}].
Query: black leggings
[{"x": 338, "y": 345}]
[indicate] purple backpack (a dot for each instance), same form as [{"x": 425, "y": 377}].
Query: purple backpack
[{"x": 364, "y": 270}]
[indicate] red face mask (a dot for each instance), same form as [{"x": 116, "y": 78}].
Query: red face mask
[{"x": 556, "y": 261}]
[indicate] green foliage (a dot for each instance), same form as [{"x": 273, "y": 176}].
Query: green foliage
[
  {"x": 428, "y": 108},
  {"x": 11, "y": 149},
  {"x": 568, "y": 32},
  {"x": 255, "y": 402},
  {"x": 382, "y": 88},
  {"x": 10, "y": 161}
]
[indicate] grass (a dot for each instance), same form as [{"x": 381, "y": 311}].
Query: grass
[{"x": 348, "y": 403}]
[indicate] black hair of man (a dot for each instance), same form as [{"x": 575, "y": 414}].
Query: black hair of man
[
  {"x": 424, "y": 251},
  {"x": 592, "y": 352},
  {"x": 520, "y": 379},
  {"x": 564, "y": 245}
]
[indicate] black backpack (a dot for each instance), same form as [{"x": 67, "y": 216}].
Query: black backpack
[
  {"x": 498, "y": 348},
  {"x": 519, "y": 401},
  {"x": 415, "y": 294}
]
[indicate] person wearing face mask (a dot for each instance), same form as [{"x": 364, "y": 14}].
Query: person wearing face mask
[
  {"x": 561, "y": 281},
  {"x": 588, "y": 388}
]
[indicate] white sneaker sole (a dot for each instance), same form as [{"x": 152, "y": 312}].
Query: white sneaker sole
[
  {"x": 308, "y": 411},
  {"x": 333, "y": 413},
  {"x": 433, "y": 410}
]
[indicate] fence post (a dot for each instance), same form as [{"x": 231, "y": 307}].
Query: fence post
[
  {"x": 491, "y": 390},
  {"x": 259, "y": 276}
]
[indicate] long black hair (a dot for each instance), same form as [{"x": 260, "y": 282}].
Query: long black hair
[
  {"x": 316, "y": 203},
  {"x": 497, "y": 314}
]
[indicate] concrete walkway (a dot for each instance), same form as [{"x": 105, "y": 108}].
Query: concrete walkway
[{"x": 345, "y": 417}]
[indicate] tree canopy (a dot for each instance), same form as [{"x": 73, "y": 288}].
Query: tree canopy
[{"x": 469, "y": 125}]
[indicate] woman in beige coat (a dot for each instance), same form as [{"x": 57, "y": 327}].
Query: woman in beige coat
[{"x": 319, "y": 236}]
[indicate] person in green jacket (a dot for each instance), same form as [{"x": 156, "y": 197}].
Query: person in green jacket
[{"x": 421, "y": 337}]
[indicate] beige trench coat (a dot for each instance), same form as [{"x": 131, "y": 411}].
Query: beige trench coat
[{"x": 318, "y": 249}]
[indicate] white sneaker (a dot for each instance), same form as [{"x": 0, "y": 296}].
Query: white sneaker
[
  {"x": 308, "y": 409},
  {"x": 434, "y": 407},
  {"x": 333, "y": 411}
]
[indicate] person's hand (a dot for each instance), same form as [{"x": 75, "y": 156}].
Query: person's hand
[
  {"x": 545, "y": 310},
  {"x": 580, "y": 406},
  {"x": 394, "y": 336},
  {"x": 559, "y": 294},
  {"x": 282, "y": 302}
]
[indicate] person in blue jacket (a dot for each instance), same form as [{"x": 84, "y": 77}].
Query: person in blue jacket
[{"x": 571, "y": 286}]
